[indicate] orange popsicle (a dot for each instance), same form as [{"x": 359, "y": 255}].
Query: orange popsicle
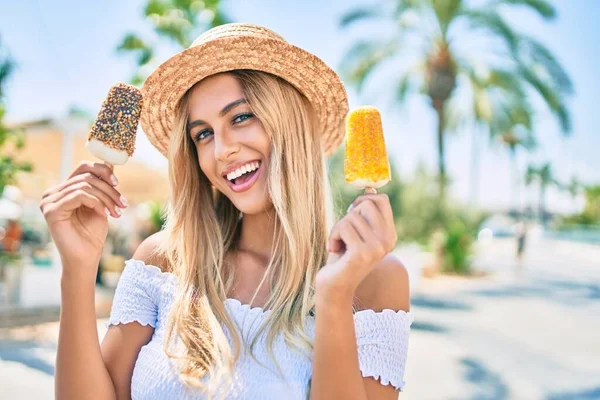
[{"x": 366, "y": 164}]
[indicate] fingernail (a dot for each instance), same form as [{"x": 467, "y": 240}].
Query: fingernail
[
  {"x": 107, "y": 211},
  {"x": 118, "y": 211},
  {"x": 114, "y": 180},
  {"x": 123, "y": 201},
  {"x": 349, "y": 208}
]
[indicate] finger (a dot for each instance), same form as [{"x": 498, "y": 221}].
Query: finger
[
  {"x": 383, "y": 225},
  {"x": 334, "y": 243},
  {"x": 88, "y": 188},
  {"x": 361, "y": 226},
  {"x": 372, "y": 215},
  {"x": 349, "y": 233},
  {"x": 97, "y": 183},
  {"x": 381, "y": 200},
  {"x": 101, "y": 170},
  {"x": 76, "y": 199},
  {"x": 114, "y": 194}
]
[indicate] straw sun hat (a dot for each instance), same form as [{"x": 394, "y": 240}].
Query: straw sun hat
[{"x": 243, "y": 46}]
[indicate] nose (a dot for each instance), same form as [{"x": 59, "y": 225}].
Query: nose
[{"x": 225, "y": 145}]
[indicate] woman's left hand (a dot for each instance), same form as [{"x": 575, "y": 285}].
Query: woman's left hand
[{"x": 357, "y": 242}]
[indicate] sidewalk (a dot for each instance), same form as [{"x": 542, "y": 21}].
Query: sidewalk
[{"x": 519, "y": 333}]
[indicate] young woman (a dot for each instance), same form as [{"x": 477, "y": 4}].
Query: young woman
[{"x": 250, "y": 291}]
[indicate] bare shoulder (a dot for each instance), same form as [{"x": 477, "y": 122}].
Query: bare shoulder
[
  {"x": 386, "y": 287},
  {"x": 122, "y": 343},
  {"x": 151, "y": 252}
]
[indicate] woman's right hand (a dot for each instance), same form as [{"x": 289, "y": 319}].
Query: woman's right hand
[{"x": 76, "y": 212}]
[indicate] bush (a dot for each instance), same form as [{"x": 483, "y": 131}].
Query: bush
[{"x": 457, "y": 248}]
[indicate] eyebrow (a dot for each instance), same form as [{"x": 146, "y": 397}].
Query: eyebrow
[{"x": 224, "y": 111}]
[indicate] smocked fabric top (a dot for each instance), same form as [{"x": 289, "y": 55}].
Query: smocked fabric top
[{"x": 145, "y": 294}]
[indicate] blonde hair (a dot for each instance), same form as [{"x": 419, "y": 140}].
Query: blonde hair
[{"x": 203, "y": 226}]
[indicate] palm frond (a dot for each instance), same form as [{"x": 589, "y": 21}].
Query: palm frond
[
  {"x": 360, "y": 14},
  {"x": 156, "y": 7},
  {"x": 132, "y": 43},
  {"x": 489, "y": 20},
  {"x": 364, "y": 57},
  {"x": 542, "y": 7},
  {"x": 446, "y": 11},
  {"x": 401, "y": 6},
  {"x": 6, "y": 68},
  {"x": 533, "y": 52},
  {"x": 551, "y": 97}
]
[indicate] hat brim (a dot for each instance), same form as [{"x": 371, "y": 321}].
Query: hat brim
[{"x": 310, "y": 75}]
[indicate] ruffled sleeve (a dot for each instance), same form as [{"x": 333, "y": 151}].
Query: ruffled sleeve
[
  {"x": 382, "y": 342},
  {"x": 137, "y": 295}
]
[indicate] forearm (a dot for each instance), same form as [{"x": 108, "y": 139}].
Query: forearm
[
  {"x": 80, "y": 370},
  {"x": 336, "y": 373}
]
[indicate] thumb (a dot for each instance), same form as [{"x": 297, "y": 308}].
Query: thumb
[{"x": 335, "y": 243}]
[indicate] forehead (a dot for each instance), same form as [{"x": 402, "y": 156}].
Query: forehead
[{"x": 213, "y": 93}]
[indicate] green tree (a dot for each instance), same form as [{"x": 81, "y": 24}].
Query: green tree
[
  {"x": 438, "y": 39},
  {"x": 178, "y": 22},
  {"x": 592, "y": 203},
  {"x": 544, "y": 177},
  {"x": 9, "y": 168}
]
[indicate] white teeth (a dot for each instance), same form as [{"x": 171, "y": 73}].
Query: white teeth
[{"x": 242, "y": 170}]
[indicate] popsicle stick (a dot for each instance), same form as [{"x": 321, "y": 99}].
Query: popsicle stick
[{"x": 370, "y": 191}]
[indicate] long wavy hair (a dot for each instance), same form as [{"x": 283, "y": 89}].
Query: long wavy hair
[{"x": 203, "y": 226}]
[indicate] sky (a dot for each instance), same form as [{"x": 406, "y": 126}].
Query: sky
[{"x": 65, "y": 51}]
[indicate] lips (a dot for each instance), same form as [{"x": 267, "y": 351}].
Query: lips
[{"x": 245, "y": 181}]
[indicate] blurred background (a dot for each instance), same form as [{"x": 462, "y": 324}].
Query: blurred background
[{"x": 490, "y": 116}]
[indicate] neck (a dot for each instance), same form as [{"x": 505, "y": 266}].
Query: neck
[{"x": 257, "y": 234}]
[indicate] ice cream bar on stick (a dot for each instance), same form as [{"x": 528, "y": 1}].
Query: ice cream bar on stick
[
  {"x": 112, "y": 137},
  {"x": 366, "y": 164}
]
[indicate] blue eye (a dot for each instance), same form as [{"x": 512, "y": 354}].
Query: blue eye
[
  {"x": 242, "y": 117},
  {"x": 201, "y": 135}
]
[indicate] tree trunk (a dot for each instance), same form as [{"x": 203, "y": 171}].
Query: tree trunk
[
  {"x": 516, "y": 181},
  {"x": 439, "y": 108},
  {"x": 542, "y": 207}
]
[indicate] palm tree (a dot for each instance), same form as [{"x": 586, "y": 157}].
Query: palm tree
[
  {"x": 574, "y": 187},
  {"x": 497, "y": 108},
  {"x": 512, "y": 125},
  {"x": 514, "y": 139},
  {"x": 439, "y": 39},
  {"x": 179, "y": 21},
  {"x": 544, "y": 177}
]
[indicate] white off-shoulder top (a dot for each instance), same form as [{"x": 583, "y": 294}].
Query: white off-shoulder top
[{"x": 145, "y": 294}]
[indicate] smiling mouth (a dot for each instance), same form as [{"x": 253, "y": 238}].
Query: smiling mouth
[{"x": 244, "y": 181}]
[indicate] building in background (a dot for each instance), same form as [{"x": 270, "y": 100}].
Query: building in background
[{"x": 55, "y": 147}]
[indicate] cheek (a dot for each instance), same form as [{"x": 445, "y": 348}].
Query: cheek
[
  {"x": 205, "y": 164},
  {"x": 262, "y": 141}
]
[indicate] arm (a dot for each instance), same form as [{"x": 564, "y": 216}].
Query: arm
[
  {"x": 80, "y": 369},
  {"x": 336, "y": 372},
  {"x": 123, "y": 342},
  {"x": 83, "y": 367}
]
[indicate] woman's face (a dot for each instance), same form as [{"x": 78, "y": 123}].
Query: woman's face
[{"x": 233, "y": 147}]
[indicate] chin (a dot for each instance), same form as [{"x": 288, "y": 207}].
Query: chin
[{"x": 253, "y": 207}]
